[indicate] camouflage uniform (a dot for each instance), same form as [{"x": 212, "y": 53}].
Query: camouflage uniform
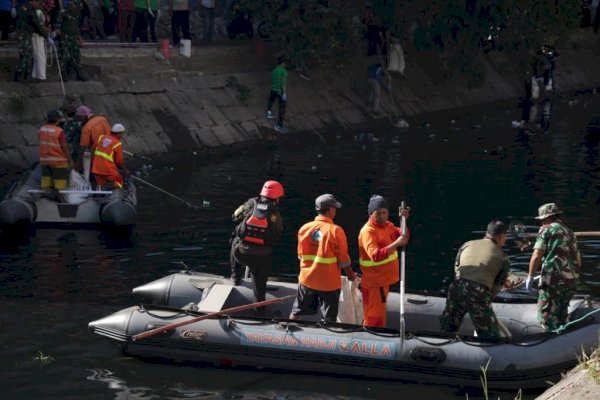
[
  {"x": 70, "y": 38},
  {"x": 481, "y": 268},
  {"x": 27, "y": 23},
  {"x": 72, "y": 125},
  {"x": 559, "y": 275}
]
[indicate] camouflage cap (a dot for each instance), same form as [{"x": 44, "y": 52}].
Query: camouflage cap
[{"x": 548, "y": 210}]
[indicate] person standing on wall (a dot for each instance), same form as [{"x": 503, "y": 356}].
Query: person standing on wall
[
  {"x": 208, "y": 19},
  {"x": 259, "y": 228},
  {"x": 557, "y": 252},
  {"x": 108, "y": 159},
  {"x": 323, "y": 253},
  {"x": 180, "y": 19},
  {"x": 279, "y": 80},
  {"x": 55, "y": 157},
  {"x": 378, "y": 243},
  {"x": 481, "y": 269},
  {"x": 8, "y": 12}
]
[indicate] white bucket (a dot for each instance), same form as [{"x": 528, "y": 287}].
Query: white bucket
[{"x": 185, "y": 48}]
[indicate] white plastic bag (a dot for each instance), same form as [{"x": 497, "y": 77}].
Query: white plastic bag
[
  {"x": 186, "y": 48},
  {"x": 396, "y": 61},
  {"x": 350, "y": 309},
  {"x": 535, "y": 88}
]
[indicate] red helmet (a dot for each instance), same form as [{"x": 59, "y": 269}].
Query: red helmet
[{"x": 272, "y": 190}]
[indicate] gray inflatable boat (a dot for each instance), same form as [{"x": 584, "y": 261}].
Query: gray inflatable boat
[
  {"x": 80, "y": 204},
  {"x": 525, "y": 358}
]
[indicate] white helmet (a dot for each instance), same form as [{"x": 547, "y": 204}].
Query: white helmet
[{"x": 118, "y": 128}]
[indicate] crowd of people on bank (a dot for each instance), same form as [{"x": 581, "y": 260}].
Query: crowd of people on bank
[{"x": 481, "y": 267}]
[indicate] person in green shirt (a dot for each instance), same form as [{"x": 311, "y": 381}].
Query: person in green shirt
[{"x": 279, "y": 77}]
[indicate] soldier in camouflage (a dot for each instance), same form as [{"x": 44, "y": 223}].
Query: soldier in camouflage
[
  {"x": 69, "y": 42},
  {"x": 27, "y": 24},
  {"x": 73, "y": 123},
  {"x": 481, "y": 270},
  {"x": 557, "y": 252}
]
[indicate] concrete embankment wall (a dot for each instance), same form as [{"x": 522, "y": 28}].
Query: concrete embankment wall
[{"x": 217, "y": 97}]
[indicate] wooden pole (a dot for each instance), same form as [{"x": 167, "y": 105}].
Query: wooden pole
[{"x": 166, "y": 328}]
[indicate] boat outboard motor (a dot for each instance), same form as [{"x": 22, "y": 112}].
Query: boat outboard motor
[{"x": 177, "y": 290}]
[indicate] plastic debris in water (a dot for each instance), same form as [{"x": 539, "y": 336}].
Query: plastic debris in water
[{"x": 205, "y": 203}]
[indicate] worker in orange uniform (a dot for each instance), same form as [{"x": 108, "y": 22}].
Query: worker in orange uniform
[
  {"x": 94, "y": 126},
  {"x": 108, "y": 158},
  {"x": 378, "y": 242},
  {"x": 55, "y": 157},
  {"x": 323, "y": 253},
  {"x": 259, "y": 228}
]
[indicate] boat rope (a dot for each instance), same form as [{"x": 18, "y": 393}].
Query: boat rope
[{"x": 565, "y": 326}]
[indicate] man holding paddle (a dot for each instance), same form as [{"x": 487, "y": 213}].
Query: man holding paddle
[
  {"x": 557, "y": 252},
  {"x": 378, "y": 243}
]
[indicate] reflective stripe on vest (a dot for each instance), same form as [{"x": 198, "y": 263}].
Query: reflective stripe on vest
[
  {"x": 369, "y": 263},
  {"x": 319, "y": 259},
  {"x": 102, "y": 154}
]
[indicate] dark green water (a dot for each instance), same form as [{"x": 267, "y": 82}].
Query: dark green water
[{"x": 457, "y": 171}]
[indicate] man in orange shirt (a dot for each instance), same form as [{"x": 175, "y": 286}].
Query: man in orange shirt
[
  {"x": 323, "y": 251},
  {"x": 94, "y": 126},
  {"x": 55, "y": 157},
  {"x": 108, "y": 157},
  {"x": 378, "y": 242}
]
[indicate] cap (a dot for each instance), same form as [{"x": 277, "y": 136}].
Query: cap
[
  {"x": 117, "y": 128},
  {"x": 84, "y": 111},
  {"x": 325, "y": 201},
  {"x": 376, "y": 202},
  {"x": 54, "y": 115},
  {"x": 548, "y": 210}
]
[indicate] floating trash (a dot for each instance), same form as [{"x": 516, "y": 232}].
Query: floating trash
[{"x": 158, "y": 253}]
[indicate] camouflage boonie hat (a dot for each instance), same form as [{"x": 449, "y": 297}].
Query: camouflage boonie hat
[{"x": 547, "y": 210}]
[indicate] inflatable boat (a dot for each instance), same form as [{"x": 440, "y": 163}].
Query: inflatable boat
[
  {"x": 526, "y": 357},
  {"x": 26, "y": 203}
]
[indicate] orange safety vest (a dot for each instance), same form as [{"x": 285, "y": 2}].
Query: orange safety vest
[
  {"x": 323, "y": 251},
  {"x": 107, "y": 156},
  {"x": 90, "y": 133},
  {"x": 51, "y": 152},
  {"x": 371, "y": 238}
]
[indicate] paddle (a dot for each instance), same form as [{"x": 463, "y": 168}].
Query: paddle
[
  {"x": 402, "y": 271},
  {"x": 166, "y": 328},
  {"x": 165, "y": 192}
]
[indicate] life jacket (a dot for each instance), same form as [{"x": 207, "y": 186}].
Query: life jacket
[
  {"x": 254, "y": 228},
  {"x": 51, "y": 152}
]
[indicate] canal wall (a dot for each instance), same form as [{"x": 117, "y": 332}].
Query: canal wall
[{"x": 216, "y": 98}]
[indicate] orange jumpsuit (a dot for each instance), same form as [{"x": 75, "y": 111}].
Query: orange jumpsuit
[
  {"x": 107, "y": 157},
  {"x": 323, "y": 251},
  {"x": 379, "y": 269},
  {"x": 92, "y": 130}
]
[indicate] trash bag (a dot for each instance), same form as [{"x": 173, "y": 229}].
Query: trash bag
[
  {"x": 535, "y": 88},
  {"x": 396, "y": 61},
  {"x": 350, "y": 310}
]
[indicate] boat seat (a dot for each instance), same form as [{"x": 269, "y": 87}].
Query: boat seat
[{"x": 216, "y": 298}]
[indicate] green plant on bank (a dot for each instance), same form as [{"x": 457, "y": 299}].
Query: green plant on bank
[
  {"x": 591, "y": 363},
  {"x": 243, "y": 90},
  {"x": 460, "y": 33},
  {"x": 311, "y": 32},
  {"x": 43, "y": 358},
  {"x": 484, "y": 384}
]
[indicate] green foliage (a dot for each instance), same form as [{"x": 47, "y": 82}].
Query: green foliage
[{"x": 308, "y": 31}]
